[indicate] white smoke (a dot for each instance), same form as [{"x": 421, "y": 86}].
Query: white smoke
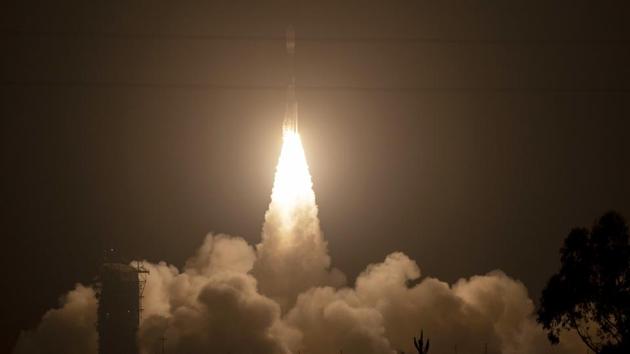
[
  {"x": 69, "y": 329},
  {"x": 283, "y": 296},
  {"x": 293, "y": 255},
  {"x": 213, "y": 305},
  {"x": 294, "y": 259},
  {"x": 383, "y": 313}
]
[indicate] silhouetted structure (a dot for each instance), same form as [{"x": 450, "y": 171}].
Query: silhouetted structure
[{"x": 119, "y": 308}]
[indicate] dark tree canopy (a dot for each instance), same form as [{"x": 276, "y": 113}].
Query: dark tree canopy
[{"x": 591, "y": 292}]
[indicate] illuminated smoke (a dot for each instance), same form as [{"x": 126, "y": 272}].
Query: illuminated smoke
[
  {"x": 292, "y": 188},
  {"x": 69, "y": 329},
  {"x": 282, "y": 297},
  {"x": 293, "y": 255},
  {"x": 213, "y": 305}
]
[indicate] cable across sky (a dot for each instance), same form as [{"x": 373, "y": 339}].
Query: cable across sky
[
  {"x": 411, "y": 39},
  {"x": 204, "y": 86}
]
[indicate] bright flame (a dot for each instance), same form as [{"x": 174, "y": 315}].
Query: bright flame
[{"x": 292, "y": 187}]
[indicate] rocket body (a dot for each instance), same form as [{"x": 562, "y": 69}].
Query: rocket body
[
  {"x": 291, "y": 112},
  {"x": 290, "y": 35}
]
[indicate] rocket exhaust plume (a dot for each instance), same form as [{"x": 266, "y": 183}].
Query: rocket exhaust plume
[
  {"x": 293, "y": 255},
  {"x": 292, "y": 186}
]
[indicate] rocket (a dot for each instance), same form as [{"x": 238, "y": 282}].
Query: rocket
[{"x": 291, "y": 113}]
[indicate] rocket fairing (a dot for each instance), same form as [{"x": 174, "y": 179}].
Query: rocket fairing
[
  {"x": 290, "y": 35},
  {"x": 291, "y": 114}
]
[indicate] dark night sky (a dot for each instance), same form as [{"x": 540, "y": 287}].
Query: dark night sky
[{"x": 474, "y": 148}]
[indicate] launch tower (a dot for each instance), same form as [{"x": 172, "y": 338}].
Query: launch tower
[{"x": 119, "y": 307}]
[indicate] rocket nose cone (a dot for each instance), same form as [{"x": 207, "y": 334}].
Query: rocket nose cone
[{"x": 290, "y": 37}]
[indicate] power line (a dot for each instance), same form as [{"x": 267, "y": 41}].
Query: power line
[
  {"x": 270, "y": 87},
  {"x": 340, "y": 39}
]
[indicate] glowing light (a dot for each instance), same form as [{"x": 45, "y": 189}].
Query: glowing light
[{"x": 292, "y": 187}]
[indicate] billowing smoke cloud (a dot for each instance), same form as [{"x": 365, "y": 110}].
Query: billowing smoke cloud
[
  {"x": 295, "y": 258},
  {"x": 283, "y": 296},
  {"x": 68, "y": 329},
  {"x": 383, "y": 312},
  {"x": 213, "y": 305}
]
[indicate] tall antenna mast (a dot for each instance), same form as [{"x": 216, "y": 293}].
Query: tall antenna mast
[
  {"x": 163, "y": 340},
  {"x": 291, "y": 113}
]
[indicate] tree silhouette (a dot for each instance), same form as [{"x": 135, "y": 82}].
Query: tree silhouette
[
  {"x": 419, "y": 344},
  {"x": 591, "y": 292}
]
